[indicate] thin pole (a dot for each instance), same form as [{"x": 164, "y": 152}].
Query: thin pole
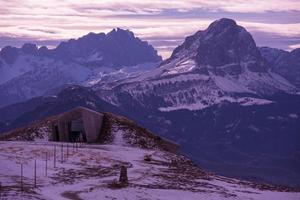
[
  {"x": 67, "y": 151},
  {"x": 35, "y": 173},
  {"x": 62, "y": 153},
  {"x": 54, "y": 160},
  {"x": 46, "y": 164},
  {"x": 21, "y": 177}
]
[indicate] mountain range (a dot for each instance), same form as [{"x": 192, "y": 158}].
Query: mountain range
[
  {"x": 231, "y": 105},
  {"x": 29, "y": 71}
]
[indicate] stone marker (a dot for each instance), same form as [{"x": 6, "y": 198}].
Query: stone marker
[{"x": 123, "y": 175}]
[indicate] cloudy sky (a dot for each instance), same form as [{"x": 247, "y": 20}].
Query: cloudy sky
[{"x": 164, "y": 23}]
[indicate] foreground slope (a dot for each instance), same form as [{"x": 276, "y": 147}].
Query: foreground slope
[{"x": 90, "y": 171}]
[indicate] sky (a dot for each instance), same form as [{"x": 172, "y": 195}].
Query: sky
[{"x": 163, "y": 23}]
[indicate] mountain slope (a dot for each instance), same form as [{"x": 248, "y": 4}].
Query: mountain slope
[
  {"x": 258, "y": 142},
  {"x": 287, "y": 64}
]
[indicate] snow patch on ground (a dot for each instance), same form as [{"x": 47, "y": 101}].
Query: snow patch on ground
[
  {"x": 181, "y": 67},
  {"x": 86, "y": 172},
  {"x": 118, "y": 136},
  {"x": 292, "y": 115}
]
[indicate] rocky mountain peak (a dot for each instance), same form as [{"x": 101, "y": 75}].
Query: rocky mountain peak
[
  {"x": 119, "y": 32},
  {"x": 9, "y": 54},
  {"x": 29, "y": 48},
  {"x": 296, "y": 52},
  {"x": 222, "y": 25},
  {"x": 117, "y": 48},
  {"x": 224, "y": 42}
]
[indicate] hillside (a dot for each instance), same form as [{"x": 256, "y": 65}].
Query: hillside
[{"x": 90, "y": 171}]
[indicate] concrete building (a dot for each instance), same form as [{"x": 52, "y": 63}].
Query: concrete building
[{"x": 77, "y": 124}]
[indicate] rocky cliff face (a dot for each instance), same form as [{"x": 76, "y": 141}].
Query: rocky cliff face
[
  {"x": 223, "y": 43},
  {"x": 117, "y": 48}
]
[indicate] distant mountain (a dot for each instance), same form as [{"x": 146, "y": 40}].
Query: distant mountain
[
  {"x": 117, "y": 48},
  {"x": 284, "y": 63},
  {"x": 219, "y": 64},
  {"x": 29, "y": 71}
]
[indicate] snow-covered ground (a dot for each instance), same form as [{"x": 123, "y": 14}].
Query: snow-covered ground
[{"x": 87, "y": 173}]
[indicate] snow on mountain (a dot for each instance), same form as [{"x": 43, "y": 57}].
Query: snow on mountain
[
  {"x": 243, "y": 101},
  {"x": 23, "y": 64},
  {"x": 27, "y": 72},
  {"x": 219, "y": 64},
  {"x": 108, "y": 77},
  {"x": 42, "y": 78}
]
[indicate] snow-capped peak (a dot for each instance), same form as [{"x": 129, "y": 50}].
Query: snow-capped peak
[{"x": 219, "y": 64}]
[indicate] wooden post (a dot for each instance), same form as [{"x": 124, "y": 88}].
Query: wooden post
[
  {"x": 46, "y": 169},
  {"x": 35, "y": 173},
  {"x": 62, "y": 153},
  {"x": 54, "y": 159},
  {"x": 67, "y": 151},
  {"x": 21, "y": 177},
  {"x": 0, "y": 189}
]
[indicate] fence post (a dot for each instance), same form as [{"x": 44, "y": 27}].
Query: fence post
[
  {"x": 21, "y": 177},
  {"x": 46, "y": 169},
  {"x": 54, "y": 160},
  {"x": 35, "y": 173},
  {"x": 62, "y": 153},
  {"x": 67, "y": 151}
]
